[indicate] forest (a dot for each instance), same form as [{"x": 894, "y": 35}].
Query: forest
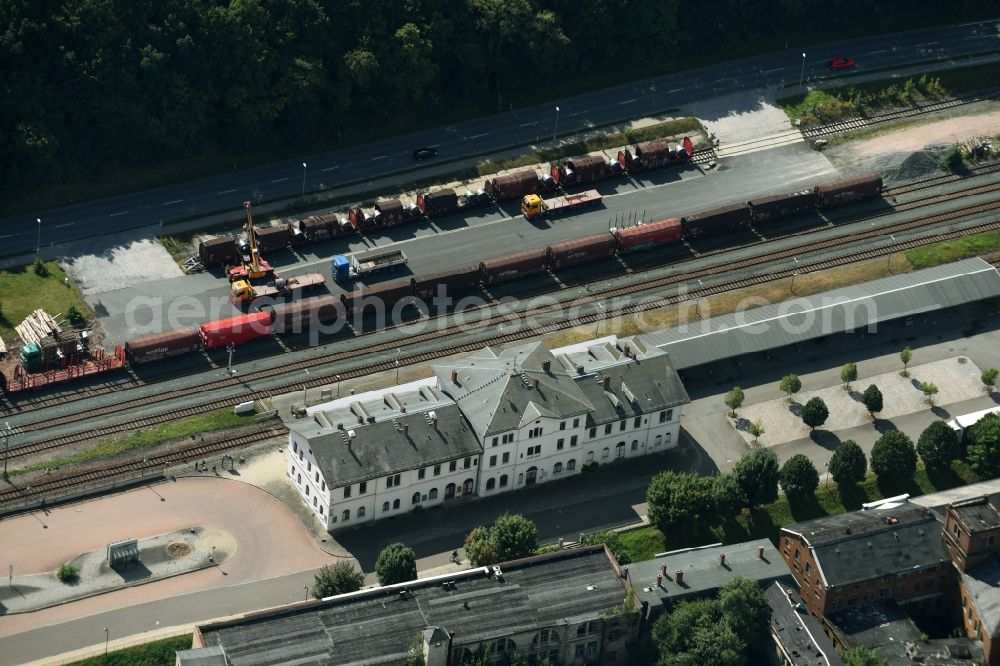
[{"x": 95, "y": 86}]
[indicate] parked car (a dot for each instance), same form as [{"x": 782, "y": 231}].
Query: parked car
[
  {"x": 841, "y": 63},
  {"x": 425, "y": 153}
]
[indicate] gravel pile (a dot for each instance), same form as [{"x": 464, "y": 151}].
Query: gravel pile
[{"x": 127, "y": 259}]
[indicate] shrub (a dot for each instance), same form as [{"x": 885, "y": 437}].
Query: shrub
[
  {"x": 40, "y": 269},
  {"x": 989, "y": 377},
  {"x": 338, "y": 578},
  {"x": 68, "y": 574},
  {"x": 953, "y": 160},
  {"x": 613, "y": 541}
]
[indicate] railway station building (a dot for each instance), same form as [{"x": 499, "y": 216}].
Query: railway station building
[{"x": 482, "y": 425}]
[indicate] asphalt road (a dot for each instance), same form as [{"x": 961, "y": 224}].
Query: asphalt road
[{"x": 486, "y": 135}]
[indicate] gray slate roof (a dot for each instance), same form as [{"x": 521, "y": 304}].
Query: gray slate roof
[
  {"x": 799, "y": 633},
  {"x": 983, "y": 583},
  {"x": 875, "y": 623},
  {"x": 636, "y": 387},
  {"x": 862, "y": 545},
  {"x": 703, "y": 573},
  {"x": 379, "y": 627},
  {"x": 977, "y": 515},
  {"x": 837, "y": 311},
  {"x": 384, "y": 447}
]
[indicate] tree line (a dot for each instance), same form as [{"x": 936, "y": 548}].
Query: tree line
[{"x": 91, "y": 86}]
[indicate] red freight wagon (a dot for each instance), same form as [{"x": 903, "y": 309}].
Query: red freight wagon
[
  {"x": 235, "y": 330},
  {"x": 163, "y": 345},
  {"x": 585, "y": 169},
  {"x": 300, "y": 316},
  {"x": 513, "y": 185},
  {"x": 440, "y": 202},
  {"x": 581, "y": 250},
  {"x": 655, "y": 154},
  {"x": 782, "y": 205},
  {"x": 647, "y": 236},
  {"x": 456, "y": 281},
  {"x": 852, "y": 189},
  {"x": 514, "y": 267}
]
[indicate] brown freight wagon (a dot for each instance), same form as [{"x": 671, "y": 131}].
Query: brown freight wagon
[
  {"x": 163, "y": 345},
  {"x": 841, "y": 192},
  {"x": 655, "y": 154},
  {"x": 318, "y": 227},
  {"x": 272, "y": 238},
  {"x": 587, "y": 169},
  {"x": 716, "y": 221},
  {"x": 363, "y": 219},
  {"x": 389, "y": 212},
  {"x": 457, "y": 281},
  {"x": 512, "y": 186},
  {"x": 648, "y": 236},
  {"x": 383, "y": 295},
  {"x": 440, "y": 202},
  {"x": 302, "y": 315},
  {"x": 514, "y": 267},
  {"x": 218, "y": 250},
  {"x": 581, "y": 250},
  {"x": 782, "y": 205}
]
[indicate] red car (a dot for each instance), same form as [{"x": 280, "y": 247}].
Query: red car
[{"x": 841, "y": 63}]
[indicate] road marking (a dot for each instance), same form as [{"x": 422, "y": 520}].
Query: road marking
[
  {"x": 929, "y": 44},
  {"x": 479, "y": 136},
  {"x": 173, "y": 202},
  {"x": 768, "y": 71},
  {"x": 280, "y": 180},
  {"x": 528, "y": 124},
  {"x": 675, "y": 90},
  {"x": 628, "y": 101},
  {"x": 330, "y": 168},
  {"x": 117, "y": 214},
  {"x": 380, "y": 157},
  {"x": 68, "y": 224},
  {"x": 882, "y": 51},
  {"x": 578, "y": 113},
  {"x": 8, "y": 236},
  {"x": 226, "y": 191}
]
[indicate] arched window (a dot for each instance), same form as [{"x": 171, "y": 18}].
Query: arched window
[
  {"x": 432, "y": 494},
  {"x": 590, "y": 456},
  {"x": 502, "y": 646},
  {"x": 503, "y": 480},
  {"x": 635, "y": 445},
  {"x": 544, "y": 636},
  {"x": 571, "y": 465},
  {"x": 385, "y": 506},
  {"x": 395, "y": 504},
  {"x": 557, "y": 468},
  {"x": 346, "y": 515},
  {"x": 659, "y": 440},
  {"x": 491, "y": 484},
  {"x": 321, "y": 512},
  {"x": 361, "y": 511},
  {"x": 295, "y": 446},
  {"x": 416, "y": 498},
  {"x": 605, "y": 453}
]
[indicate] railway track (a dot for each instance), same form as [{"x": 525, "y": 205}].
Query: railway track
[
  {"x": 494, "y": 321},
  {"x": 863, "y": 122},
  {"x": 51, "y": 487}
]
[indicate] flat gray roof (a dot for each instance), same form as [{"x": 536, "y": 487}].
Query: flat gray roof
[{"x": 837, "y": 311}]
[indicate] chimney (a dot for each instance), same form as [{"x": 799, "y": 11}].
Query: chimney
[
  {"x": 722, "y": 559},
  {"x": 659, "y": 580},
  {"x": 454, "y": 377},
  {"x": 679, "y": 576},
  {"x": 607, "y": 382},
  {"x": 663, "y": 569},
  {"x": 760, "y": 552},
  {"x": 546, "y": 365},
  {"x": 536, "y": 383}
]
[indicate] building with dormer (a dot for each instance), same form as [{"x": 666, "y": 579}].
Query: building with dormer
[{"x": 484, "y": 424}]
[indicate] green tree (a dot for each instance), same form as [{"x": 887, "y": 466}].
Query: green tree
[
  {"x": 745, "y": 610},
  {"x": 757, "y": 474},
  {"x": 894, "y": 458},
  {"x": 848, "y": 374},
  {"x": 906, "y": 356},
  {"x": 734, "y": 400},
  {"x": 799, "y": 476},
  {"x": 790, "y": 385},
  {"x": 680, "y": 500},
  {"x": 872, "y": 400},
  {"x": 848, "y": 463},
  {"x": 756, "y": 429},
  {"x": 815, "y": 412},
  {"x": 929, "y": 391},
  {"x": 989, "y": 379},
  {"x": 416, "y": 655},
  {"x": 937, "y": 445},
  {"x": 613, "y": 541},
  {"x": 338, "y": 578},
  {"x": 729, "y": 497},
  {"x": 513, "y": 537},
  {"x": 984, "y": 446},
  {"x": 479, "y": 547},
  {"x": 861, "y": 656},
  {"x": 396, "y": 564}
]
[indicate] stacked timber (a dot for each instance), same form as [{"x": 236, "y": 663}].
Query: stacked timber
[{"x": 37, "y": 326}]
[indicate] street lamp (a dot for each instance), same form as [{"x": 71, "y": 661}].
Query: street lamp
[
  {"x": 397, "y": 364},
  {"x": 803, "y": 72},
  {"x": 38, "y": 243},
  {"x": 303, "y": 179},
  {"x": 338, "y": 386},
  {"x": 306, "y": 588},
  {"x": 555, "y": 130},
  {"x": 7, "y": 431},
  {"x": 106, "y": 636},
  {"x": 305, "y": 387}
]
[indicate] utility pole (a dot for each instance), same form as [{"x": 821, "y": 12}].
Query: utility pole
[
  {"x": 229, "y": 367},
  {"x": 555, "y": 130},
  {"x": 803, "y": 72},
  {"x": 397, "y": 364},
  {"x": 338, "y": 386},
  {"x": 303, "y": 179},
  {"x": 7, "y": 432},
  {"x": 38, "y": 243},
  {"x": 305, "y": 388}
]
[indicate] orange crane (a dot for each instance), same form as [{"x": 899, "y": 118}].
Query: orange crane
[{"x": 252, "y": 266}]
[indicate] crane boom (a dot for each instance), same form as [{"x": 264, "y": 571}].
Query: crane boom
[{"x": 251, "y": 236}]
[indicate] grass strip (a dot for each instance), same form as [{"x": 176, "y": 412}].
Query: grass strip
[
  {"x": 154, "y": 653},
  {"x": 954, "y": 250},
  {"x": 23, "y": 290}
]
